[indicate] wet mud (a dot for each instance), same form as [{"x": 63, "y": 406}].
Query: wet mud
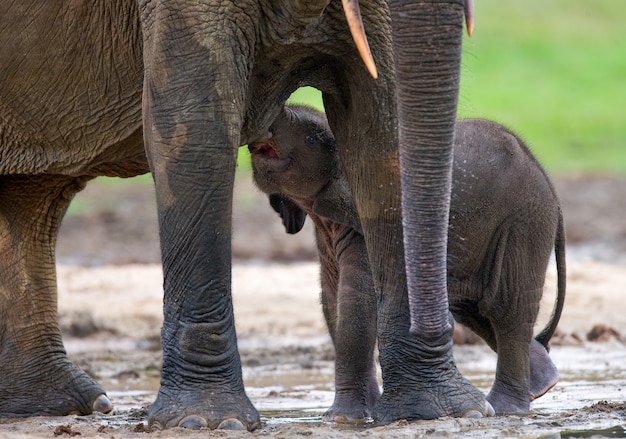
[{"x": 293, "y": 391}]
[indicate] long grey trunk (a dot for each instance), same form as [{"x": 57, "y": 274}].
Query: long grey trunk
[{"x": 427, "y": 47}]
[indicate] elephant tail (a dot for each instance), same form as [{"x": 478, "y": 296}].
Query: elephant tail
[{"x": 559, "y": 252}]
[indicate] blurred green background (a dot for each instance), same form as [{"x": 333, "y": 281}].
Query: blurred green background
[{"x": 555, "y": 72}]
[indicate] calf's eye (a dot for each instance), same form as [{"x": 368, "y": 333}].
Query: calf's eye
[{"x": 310, "y": 140}]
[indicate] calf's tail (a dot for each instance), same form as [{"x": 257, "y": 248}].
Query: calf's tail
[{"x": 559, "y": 250}]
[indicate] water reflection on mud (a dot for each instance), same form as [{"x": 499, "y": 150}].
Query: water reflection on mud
[
  {"x": 617, "y": 431},
  {"x": 588, "y": 401}
]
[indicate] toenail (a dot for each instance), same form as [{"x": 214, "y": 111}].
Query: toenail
[
  {"x": 193, "y": 422},
  {"x": 231, "y": 424},
  {"x": 102, "y": 404},
  {"x": 474, "y": 414},
  {"x": 156, "y": 426}
]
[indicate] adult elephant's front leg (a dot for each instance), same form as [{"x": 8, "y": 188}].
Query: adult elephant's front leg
[
  {"x": 192, "y": 120},
  {"x": 419, "y": 374},
  {"x": 420, "y": 379}
]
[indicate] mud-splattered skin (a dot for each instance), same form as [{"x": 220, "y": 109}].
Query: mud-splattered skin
[
  {"x": 87, "y": 86},
  {"x": 504, "y": 221}
]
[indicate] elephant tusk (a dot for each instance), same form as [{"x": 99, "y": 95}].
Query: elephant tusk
[
  {"x": 355, "y": 22},
  {"x": 469, "y": 16}
]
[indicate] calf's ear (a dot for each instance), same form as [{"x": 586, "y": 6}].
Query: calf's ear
[
  {"x": 335, "y": 202},
  {"x": 292, "y": 216}
]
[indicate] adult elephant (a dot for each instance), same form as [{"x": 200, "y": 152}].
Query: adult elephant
[{"x": 85, "y": 84}]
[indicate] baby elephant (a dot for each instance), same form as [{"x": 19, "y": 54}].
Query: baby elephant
[{"x": 505, "y": 219}]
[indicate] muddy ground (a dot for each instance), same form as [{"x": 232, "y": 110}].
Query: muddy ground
[{"x": 110, "y": 313}]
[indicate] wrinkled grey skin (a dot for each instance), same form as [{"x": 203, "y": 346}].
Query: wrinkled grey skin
[
  {"x": 92, "y": 88},
  {"x": 505, "y": 219}
]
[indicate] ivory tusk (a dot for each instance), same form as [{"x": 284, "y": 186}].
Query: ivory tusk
[
  {"x": 469, "y": 16},
  {"x": 353, "y": 15}
]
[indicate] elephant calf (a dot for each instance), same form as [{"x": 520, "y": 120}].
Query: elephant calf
[{"x": 505, "y": 219}]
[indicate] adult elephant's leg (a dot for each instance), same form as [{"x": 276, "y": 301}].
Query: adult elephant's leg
[
  {"x": 193, "y": 99},
  {"x": 364, "y": 126},
  {"x": 36, "y": 376},
  {"x": 420, "y": 379}
]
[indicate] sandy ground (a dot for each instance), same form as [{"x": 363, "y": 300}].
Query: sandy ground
[{"x": 110, "y": 310}]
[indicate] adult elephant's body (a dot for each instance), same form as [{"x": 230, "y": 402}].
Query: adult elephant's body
[{"x": 79, "y": 80}]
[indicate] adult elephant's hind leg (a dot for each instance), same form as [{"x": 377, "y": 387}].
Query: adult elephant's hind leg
[{"x": 37, "y": 378}]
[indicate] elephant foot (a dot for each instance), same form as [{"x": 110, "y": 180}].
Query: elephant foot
[
  {"x": 208, "y": 408},
  {"x": 451, "y": 396},
  {"x": 353, "y": 405},
  {"x": 543, "y": 372},
  {"x": 508, "y": 401},
  {"x": 54, "y": 387},
  {"x": 422, "y": 382}
]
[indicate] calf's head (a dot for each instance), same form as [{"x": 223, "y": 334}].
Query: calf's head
[
  {"x": 298, "y": 157},
  {"x": 298, "y": 167}
]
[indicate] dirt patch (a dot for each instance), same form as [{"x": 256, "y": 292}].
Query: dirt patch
[
  {"x": 605, "y": 406},
  {"x": 117, "y": 224},
  {"x": 110, "y": 310}
]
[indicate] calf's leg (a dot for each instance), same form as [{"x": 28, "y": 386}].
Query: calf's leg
[{"x": 349, "y": 303}]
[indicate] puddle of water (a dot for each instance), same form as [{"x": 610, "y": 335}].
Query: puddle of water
[
  {"x": 588, "y": 375},
  {"x": 577, "y": 395},
  {"x": 311, "y": 417},
  {"x": 616, "y": 431},
  {"x": 301, "y": 401}
]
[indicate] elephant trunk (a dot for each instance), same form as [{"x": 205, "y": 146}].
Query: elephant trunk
[{"x": 427, "y": 50}]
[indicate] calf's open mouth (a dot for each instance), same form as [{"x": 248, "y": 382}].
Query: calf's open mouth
[{"x": 263, "y": 149}]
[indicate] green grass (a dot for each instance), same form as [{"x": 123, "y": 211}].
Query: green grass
[{"x": 555, "y": 72}]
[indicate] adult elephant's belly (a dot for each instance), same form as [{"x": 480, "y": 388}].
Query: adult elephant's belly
[
  {"x": 94, "y": 138},
  {"x": 122, "y": 156},
  {"x": 71, "y": 89}
]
